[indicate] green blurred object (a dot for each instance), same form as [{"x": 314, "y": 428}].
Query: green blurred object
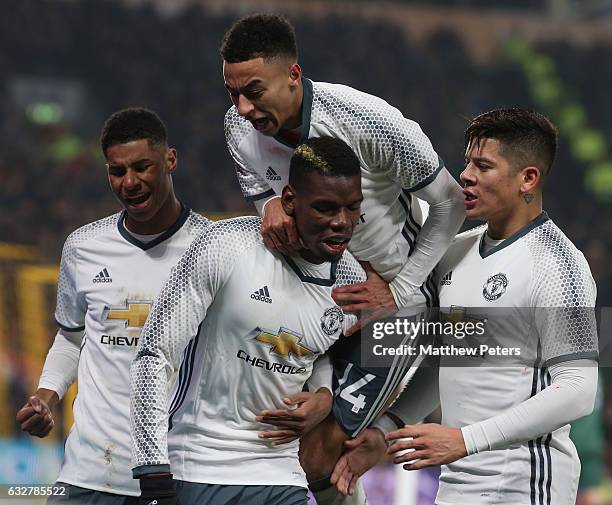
[
  {"x": 589, "y": 145},
  {"x": 66, "y": 148},
  {"x": 45, "y": 113},
  {"x": 572, "y": 118},
  {"x": 598, "y": 180}
]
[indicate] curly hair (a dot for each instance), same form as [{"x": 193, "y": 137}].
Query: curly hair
[
  {"x": 135, "y": 123},
  {"x": 259, "y": 36}
]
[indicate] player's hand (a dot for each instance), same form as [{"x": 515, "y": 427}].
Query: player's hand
[
  {"x": 35, "y": 417},
  {"x": 278, "y": 229},
  {"x": 294, "y": 422},
  {"x": 429, "y": 444},
  {"x": 362, "y": 453},
  {"x": 372, "y": 299},
  {"x": 158, "y": 489}
]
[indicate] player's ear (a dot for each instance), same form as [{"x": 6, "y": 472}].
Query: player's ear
[
  {"x": 171, "y": 159},
  {"x": 295, "y": 74},
  {"x": 530, "y": 178},
  {"x": 288, "y": 200}
]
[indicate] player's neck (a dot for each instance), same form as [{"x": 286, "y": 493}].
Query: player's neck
[
  {"x": 310, "y": 257},
  {"x": 295, "y": 120},
  {"x": 507, "y": 225},
  {"x": 167, "y": 215}
]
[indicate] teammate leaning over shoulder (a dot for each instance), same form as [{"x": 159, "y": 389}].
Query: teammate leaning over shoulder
[
  {"x": 274, "y": 109},
  {"x": 111, "y": 271}
]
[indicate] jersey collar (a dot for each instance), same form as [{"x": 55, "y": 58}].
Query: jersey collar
[
  {"x": 306, "y": 110},
  {"x": 164, "y": 236},
  {"x": 321, "y": 281},
  {"x": 541, "y": 219}
]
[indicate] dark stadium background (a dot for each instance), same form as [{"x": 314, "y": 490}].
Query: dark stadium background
[{"x": 65, "y": 65}]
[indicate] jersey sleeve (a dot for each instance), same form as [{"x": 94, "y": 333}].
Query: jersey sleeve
[
  {"x": 563, "y": 301},
  {"x": 70, "y": 308},
  {"x": 174, "y": 320},
  {"x": 254, "y": 187},
  {"x": 397, "y": 146}
]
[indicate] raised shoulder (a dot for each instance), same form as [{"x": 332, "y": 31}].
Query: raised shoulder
[
  {"x": 196, "y": 223},
  {"x": 561, "y": 273},
  {"x": 382, "y": 137},
  {"x": 89, "y": 231},
  {"x": 230, "y": 237}
]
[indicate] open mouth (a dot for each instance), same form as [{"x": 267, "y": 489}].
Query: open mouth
[
  {"x": 260, "y": 124},
  {"x": 470, "y": 199},
  {"x": 336, "y": 245},
  {"x": 137, "y": 201}
]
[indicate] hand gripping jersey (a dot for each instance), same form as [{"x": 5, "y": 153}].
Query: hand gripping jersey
[
  {"x": 107, "y": 283},
  {"x": 243, "y": 326},
  {"x": 536, "y": 292},
  {"x": 395, "y": 155}
]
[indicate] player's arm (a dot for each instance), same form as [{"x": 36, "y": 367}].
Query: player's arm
[
  {"x": 304, "y": 410},
  {"x": 174, "y": 320},
  {"x": 59, "y": 372},
  {"x": 61, "y": 364},
  {"x": 446, "y": 214},
  {"x": 278, "y": 229},
  {"x": 406, "y": 155}
]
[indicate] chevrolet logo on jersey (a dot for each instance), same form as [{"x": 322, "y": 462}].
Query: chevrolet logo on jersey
[
  {"x": 134, "y": 315},
  {"x": 284, "y": 343},
  {"x": 458, "y": 314}
]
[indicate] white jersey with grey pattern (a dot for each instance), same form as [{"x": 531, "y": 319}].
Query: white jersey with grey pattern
[
  {"x": 536, "y": 293},
  {"x": 107, "y": 283},
  {"x": 396, "y": 159},
  {"x": 242, "y": 326}
]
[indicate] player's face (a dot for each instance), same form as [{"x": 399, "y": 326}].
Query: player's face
[
  {"x": 491, "y": 185},
  {"x": 266, "y": 92},
  {"x": 139, "y": 175},
  {"x": 326, "y": 211}
]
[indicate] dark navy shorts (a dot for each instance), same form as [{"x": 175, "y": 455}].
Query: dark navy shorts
[
  {"x": 194, "y": 493},
  {"x": 75, "y": 495}
]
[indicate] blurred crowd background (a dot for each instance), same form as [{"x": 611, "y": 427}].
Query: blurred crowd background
[{"x": 65, "y": 65}]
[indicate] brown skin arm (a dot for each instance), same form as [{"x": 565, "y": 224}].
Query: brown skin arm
[
  {"x": 278, "y": 229},
  {"x": 372, "y": 299},
  {"x": 35, "y": 416}
]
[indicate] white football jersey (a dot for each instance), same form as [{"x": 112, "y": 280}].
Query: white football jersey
[
  {"x": 242, "y": 326},
  {"x": 524, "y": 287},
  {"x": 107, "y": 284},
  {"x": 396, "y": 159}
]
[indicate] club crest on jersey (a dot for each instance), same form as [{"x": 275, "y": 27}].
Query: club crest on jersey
[
  {"x": 331, "y": 321},
  {"x": 495, "y": 287}
]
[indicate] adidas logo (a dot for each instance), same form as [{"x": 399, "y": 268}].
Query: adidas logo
[
  {"x": 271, "y": 175},
  {"x": 262, "y": 295},
  {"x": 103, "y": 276},
  {"x": 447, "y": 279}
]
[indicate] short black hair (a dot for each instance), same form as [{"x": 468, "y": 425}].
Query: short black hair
[
  {"x": 259, "y": 36},
  {"x": 326, "y": 156},
  {"x": 134, "y": 123},
  {"x": 526, "y": 137}
]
